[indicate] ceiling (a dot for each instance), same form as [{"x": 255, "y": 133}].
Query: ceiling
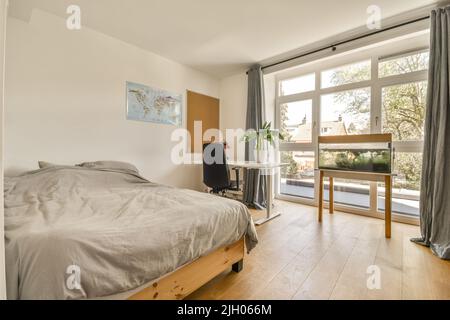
[{"x": 219, "y": 37}]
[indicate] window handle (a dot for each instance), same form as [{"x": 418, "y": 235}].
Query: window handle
[{"x": 376, "y": 121}]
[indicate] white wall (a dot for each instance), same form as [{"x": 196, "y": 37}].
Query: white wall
[
  {"x": 233, "y": 103},
  {"x": 270, "y": 98},
  {"x": 3, "y": 14},
  {"x": 65, "y": 100},
  {"x": 233, "y": 111}
]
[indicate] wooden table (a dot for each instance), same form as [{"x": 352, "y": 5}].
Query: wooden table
[{"x": 386, "y": 178}]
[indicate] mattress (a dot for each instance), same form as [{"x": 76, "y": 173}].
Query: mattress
[{"x": 84, "y": 233}]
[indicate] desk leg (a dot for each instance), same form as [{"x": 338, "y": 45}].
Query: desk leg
[
  {"x": 331, "y": 195},
  {"x": 388, "y": 206},
  {"x": 321, "y": 196},
  {"x": 269, "y": 200}
]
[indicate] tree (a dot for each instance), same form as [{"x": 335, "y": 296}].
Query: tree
[
  {"x": 284, "y": 119},
  {"x": 404, "y": 110},
  {"x": 357, "y": 102},
  {"x": 409, "y": 165},
  {"x": 292, "y": 169},
  {"x": 287, "y": 157}
]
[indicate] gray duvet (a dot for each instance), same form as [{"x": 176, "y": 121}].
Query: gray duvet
[{"x": 74, "y": 233}]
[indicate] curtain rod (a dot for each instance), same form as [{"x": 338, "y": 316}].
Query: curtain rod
[{"x": 333, "y": 47}]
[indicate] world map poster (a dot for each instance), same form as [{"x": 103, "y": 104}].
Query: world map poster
[{"x": 153, "y": 105}]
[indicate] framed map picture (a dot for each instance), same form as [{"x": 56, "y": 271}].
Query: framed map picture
[{"x": 153, "y": 105}]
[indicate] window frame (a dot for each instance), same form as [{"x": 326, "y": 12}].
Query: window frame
[
  {"x": 376, "y": 85},
  {"x": 402, "y": 54},
  {"x": 343, "y": 66},
  {"x": 279, "y": 86}
]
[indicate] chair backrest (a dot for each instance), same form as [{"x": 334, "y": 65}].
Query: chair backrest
[{"x": 216, "y": 173}]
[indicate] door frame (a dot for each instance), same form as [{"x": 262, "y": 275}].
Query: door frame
[{"x": 4, "y": 15}]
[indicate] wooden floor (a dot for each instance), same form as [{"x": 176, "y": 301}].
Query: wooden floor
[{"x": 297, "y": 258}]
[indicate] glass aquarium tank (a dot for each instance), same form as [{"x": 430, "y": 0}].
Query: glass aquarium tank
[{"x": 360, "y": 157}]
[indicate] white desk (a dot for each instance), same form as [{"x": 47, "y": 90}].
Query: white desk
[{"x": 268, "y": 170}]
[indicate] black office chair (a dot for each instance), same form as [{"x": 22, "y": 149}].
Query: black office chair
[{"x": 216, "y": 174}]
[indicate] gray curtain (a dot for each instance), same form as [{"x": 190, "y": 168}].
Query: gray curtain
[
  {"x": 435, "y": 195},
  {"x": 254, "y": 186}
]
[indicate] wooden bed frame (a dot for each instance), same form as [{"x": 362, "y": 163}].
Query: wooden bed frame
[{"x": 179, "y": 284}]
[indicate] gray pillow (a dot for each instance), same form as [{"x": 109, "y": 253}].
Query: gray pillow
[{"x": 115, "y": 165}]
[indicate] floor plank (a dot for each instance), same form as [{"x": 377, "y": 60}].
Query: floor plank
[
  {"x": 352, "y": 282},
  {"x": 298, "y": 258}
]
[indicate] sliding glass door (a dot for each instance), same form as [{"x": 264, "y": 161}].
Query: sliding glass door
[
  {"x": 297, "y": 126},
  {"x": 403, "y": 103},
  {"x": 376, "y": 90}
]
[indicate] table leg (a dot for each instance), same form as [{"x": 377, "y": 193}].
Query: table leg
[
  {"x": 331, "y": 195},
  {"x": 269, "y": 195},
  {"x": 388, "y": 206},
  {"x": 269, "y": 200},
  {"x": 321, "y": 196}
]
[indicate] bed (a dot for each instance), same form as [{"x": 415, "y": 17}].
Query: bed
[{"x": 100, "y": 230}]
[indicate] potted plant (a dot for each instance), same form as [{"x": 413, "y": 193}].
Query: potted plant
[{"x": 265, "y": 139}]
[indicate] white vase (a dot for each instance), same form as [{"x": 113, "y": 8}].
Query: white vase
[{"x": 261, "y": 156}]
